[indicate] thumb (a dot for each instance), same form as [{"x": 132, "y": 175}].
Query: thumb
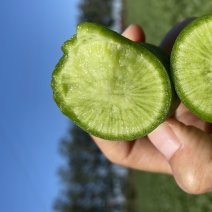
[{"x": 189, "y": 152}]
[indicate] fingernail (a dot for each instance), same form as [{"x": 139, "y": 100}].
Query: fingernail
[
  {"x": 126, "y": 31},
  {"x": 165, "y": 140}
]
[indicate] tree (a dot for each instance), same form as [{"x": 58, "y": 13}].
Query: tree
[
  {"x": 96, "y": 11},
  {"x": 92, "y": 183}
]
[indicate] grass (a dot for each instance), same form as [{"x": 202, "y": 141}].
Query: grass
[
  {"x": 158, "y": 17},
  {"x": 159, "y": 192}
]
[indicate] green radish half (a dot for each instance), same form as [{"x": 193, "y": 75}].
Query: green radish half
[
  {"x": 112, "y": 87},
  {"x": 191, "y": 66}
]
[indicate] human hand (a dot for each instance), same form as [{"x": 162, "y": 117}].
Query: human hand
[{"x": 181, "y": 146}]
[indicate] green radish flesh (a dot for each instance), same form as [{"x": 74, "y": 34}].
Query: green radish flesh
[
  {"x": 112, "y": 87},
  {"x": 191, "y": 67}
]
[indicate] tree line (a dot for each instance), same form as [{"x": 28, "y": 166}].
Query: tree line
[{"x": 91, "y": 183}]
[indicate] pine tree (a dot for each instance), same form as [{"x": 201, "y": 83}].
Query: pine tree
[
  {"x": 92, "y": 183},
  {"x": 96, "y": 11}
]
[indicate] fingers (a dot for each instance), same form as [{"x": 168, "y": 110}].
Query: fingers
[
  {"x": 135, "y": 33},
  {"x": 138, "y": 154},
  {"x": 188, "y": 151},
  {"x": 185, "y": 116},
  {"x": 168, "y": 41}
]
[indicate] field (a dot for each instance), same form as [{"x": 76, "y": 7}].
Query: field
[
  {"x": 159, "y": 192},
  {"x": 158, "y": 17}
]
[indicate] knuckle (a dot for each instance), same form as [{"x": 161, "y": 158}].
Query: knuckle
[
  {"x": 195, "y": 180},
  {"x": 191, "y": 184},
  {"x": 113, "y": 158}
]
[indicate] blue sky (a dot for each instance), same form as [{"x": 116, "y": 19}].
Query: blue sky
[{"x": 31, "y": 125}]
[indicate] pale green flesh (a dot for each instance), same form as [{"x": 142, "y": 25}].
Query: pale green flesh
[
  {"x": 193, "y": 68},
  {"x": 112, "y": 89}
]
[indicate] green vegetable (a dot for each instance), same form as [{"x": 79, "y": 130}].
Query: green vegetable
[
  {"x": 112, "y": 87},
  {"x": 191, "y": 66}
]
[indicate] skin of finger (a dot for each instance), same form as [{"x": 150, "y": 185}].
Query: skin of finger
[
  {"x": 192, "y": 163},
  {"x": 139, "y": 154},
  {"x": 188, "y": 118}
]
